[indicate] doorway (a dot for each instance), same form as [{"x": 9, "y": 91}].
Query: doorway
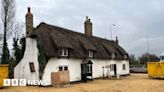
[
  {"x": 86, "y": 70},
  {"x": 115, "y": 69}
]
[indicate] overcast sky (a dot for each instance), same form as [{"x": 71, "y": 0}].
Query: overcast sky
[{"x": 136, "y": 20}]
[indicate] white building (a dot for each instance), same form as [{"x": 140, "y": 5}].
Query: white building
[{"x": 51, "y": 49}]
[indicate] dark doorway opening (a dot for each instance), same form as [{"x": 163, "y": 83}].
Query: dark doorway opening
[
  {"x": 115, "y": 69},
  {"x": 86, "y": 70}
]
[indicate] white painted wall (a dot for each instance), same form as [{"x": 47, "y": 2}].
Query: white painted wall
[
  {"x": 22, "y": 70},
  {"x": 74, "y": 66}
]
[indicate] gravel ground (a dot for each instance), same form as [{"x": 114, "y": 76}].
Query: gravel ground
[{"x": 131, "y": 83}]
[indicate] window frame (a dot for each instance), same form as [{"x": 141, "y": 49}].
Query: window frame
[
  {"x": 123, "y": 66},
  {"x": 90, "y": 54},
  {"x": 112, "y": 67},
  {"x": 113, "y": 55},
  {"x": 64, "y": 52},
  {"x": 32, "y": 67},
  {"x": 89, "y": 68},
  {"x": 63, "y": 68},
  {"x": 60, "y": 68}
]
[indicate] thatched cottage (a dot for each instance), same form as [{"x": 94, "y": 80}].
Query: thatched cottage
[{"x": 51, "y": 49}]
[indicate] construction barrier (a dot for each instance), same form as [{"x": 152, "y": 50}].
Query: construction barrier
[
  {"x": 4, "y": 70},
  {"x": 155, "y": 69}
]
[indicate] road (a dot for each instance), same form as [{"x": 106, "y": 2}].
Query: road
[{"x": 131, "y": 83}]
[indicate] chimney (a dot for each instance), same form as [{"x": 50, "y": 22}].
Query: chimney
[
  {"x": 88, "y": 26},
  {"x": 29, "y": 22},
  {"x": 117, "y": 42}
]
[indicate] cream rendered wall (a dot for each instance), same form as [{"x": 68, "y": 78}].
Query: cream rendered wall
[
  {"x": 22, "y": 70},
  {"x": 74, "y": 66}
]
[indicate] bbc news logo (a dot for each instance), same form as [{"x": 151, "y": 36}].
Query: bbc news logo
[{"x": 22, "y": 82}]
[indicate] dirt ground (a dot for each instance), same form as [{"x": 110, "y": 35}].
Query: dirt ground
[{"x": 131, "y": 83}]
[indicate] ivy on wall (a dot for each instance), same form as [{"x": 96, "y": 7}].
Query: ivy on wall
[{"x": 42, "y": 59}]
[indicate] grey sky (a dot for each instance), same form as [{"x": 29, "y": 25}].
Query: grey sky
[{"x": 136, "y": 20}]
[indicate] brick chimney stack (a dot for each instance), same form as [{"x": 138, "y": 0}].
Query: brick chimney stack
[
  {"x": 88, "y": 26},
  {"x": 29, "y": 22},
  {"x": 117, "y": 41}
]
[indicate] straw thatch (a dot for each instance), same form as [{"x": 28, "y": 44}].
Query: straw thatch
[{"x": 53, "y": 38}]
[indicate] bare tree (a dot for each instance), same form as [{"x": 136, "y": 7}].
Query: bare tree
[
  {"x": 8, "y": 18},
  {"x": 8, "y": 14},
  {"x": 17, "y": 31}
]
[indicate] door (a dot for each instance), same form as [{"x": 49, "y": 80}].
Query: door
[
  {"x": 86, "y": 70},
  {"x": 115, "y": 69},
  {"x": 83, "y": 73}
]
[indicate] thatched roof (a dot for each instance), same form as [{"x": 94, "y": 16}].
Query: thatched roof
[{"x": 53, "y": 38}]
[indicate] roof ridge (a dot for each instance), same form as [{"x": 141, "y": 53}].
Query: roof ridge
[{"x": 69, "y": 30}]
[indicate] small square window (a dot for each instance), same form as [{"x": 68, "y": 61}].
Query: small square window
[
  {"x": 60, "y": 68},
  {"x": 64, "y": 52},
  {"x": 65, "y": 68},
  {"x": 32, "y": 67}
]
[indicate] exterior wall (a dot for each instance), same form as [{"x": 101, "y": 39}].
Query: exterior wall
[
  {"x": 22, "y": 70},
  {"x": 74, "y": 67},
  {"x": 53, "y": 66}
]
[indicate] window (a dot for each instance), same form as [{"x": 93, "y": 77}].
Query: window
[
  {"x": 123, "y": 67},
  {"x": 113, "y": 55},
  {"x": 32, "y": 67},
  {"x": 60, "y": 68},
  {"x": 112, "y": 67},
  {"x": 89, "y": 68},
  {"x": 90, "y": 53},
  {"x": 63, "y": 68},
  {"x": 64, "y": 52}
]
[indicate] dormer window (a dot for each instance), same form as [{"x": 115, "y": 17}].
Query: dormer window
[
  {"x": 64, "y": 52},
  {"x": 90, "y": 54},
  {"x": 113, "y": 55}
]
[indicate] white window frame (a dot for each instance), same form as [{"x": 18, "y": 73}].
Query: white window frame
[
  {"x": 64, "y": 52},
  {"x": 89, "y": 68},
  {"x": 113, "y": 55},
  {"x": 63, "y": 68},
  {"x": 90, "y": 54},
  {"x": 112, "y": 67}
]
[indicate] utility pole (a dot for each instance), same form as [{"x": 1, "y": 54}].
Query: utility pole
[{"x": 111, "y": 30}]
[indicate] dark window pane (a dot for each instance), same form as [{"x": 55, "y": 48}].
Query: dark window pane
[
  {"x": 123, "y": 67},
  {"x": 32, "y": 67},
  {"x": 65, "y": 68},
  {"x": 60, "y": 68}
]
